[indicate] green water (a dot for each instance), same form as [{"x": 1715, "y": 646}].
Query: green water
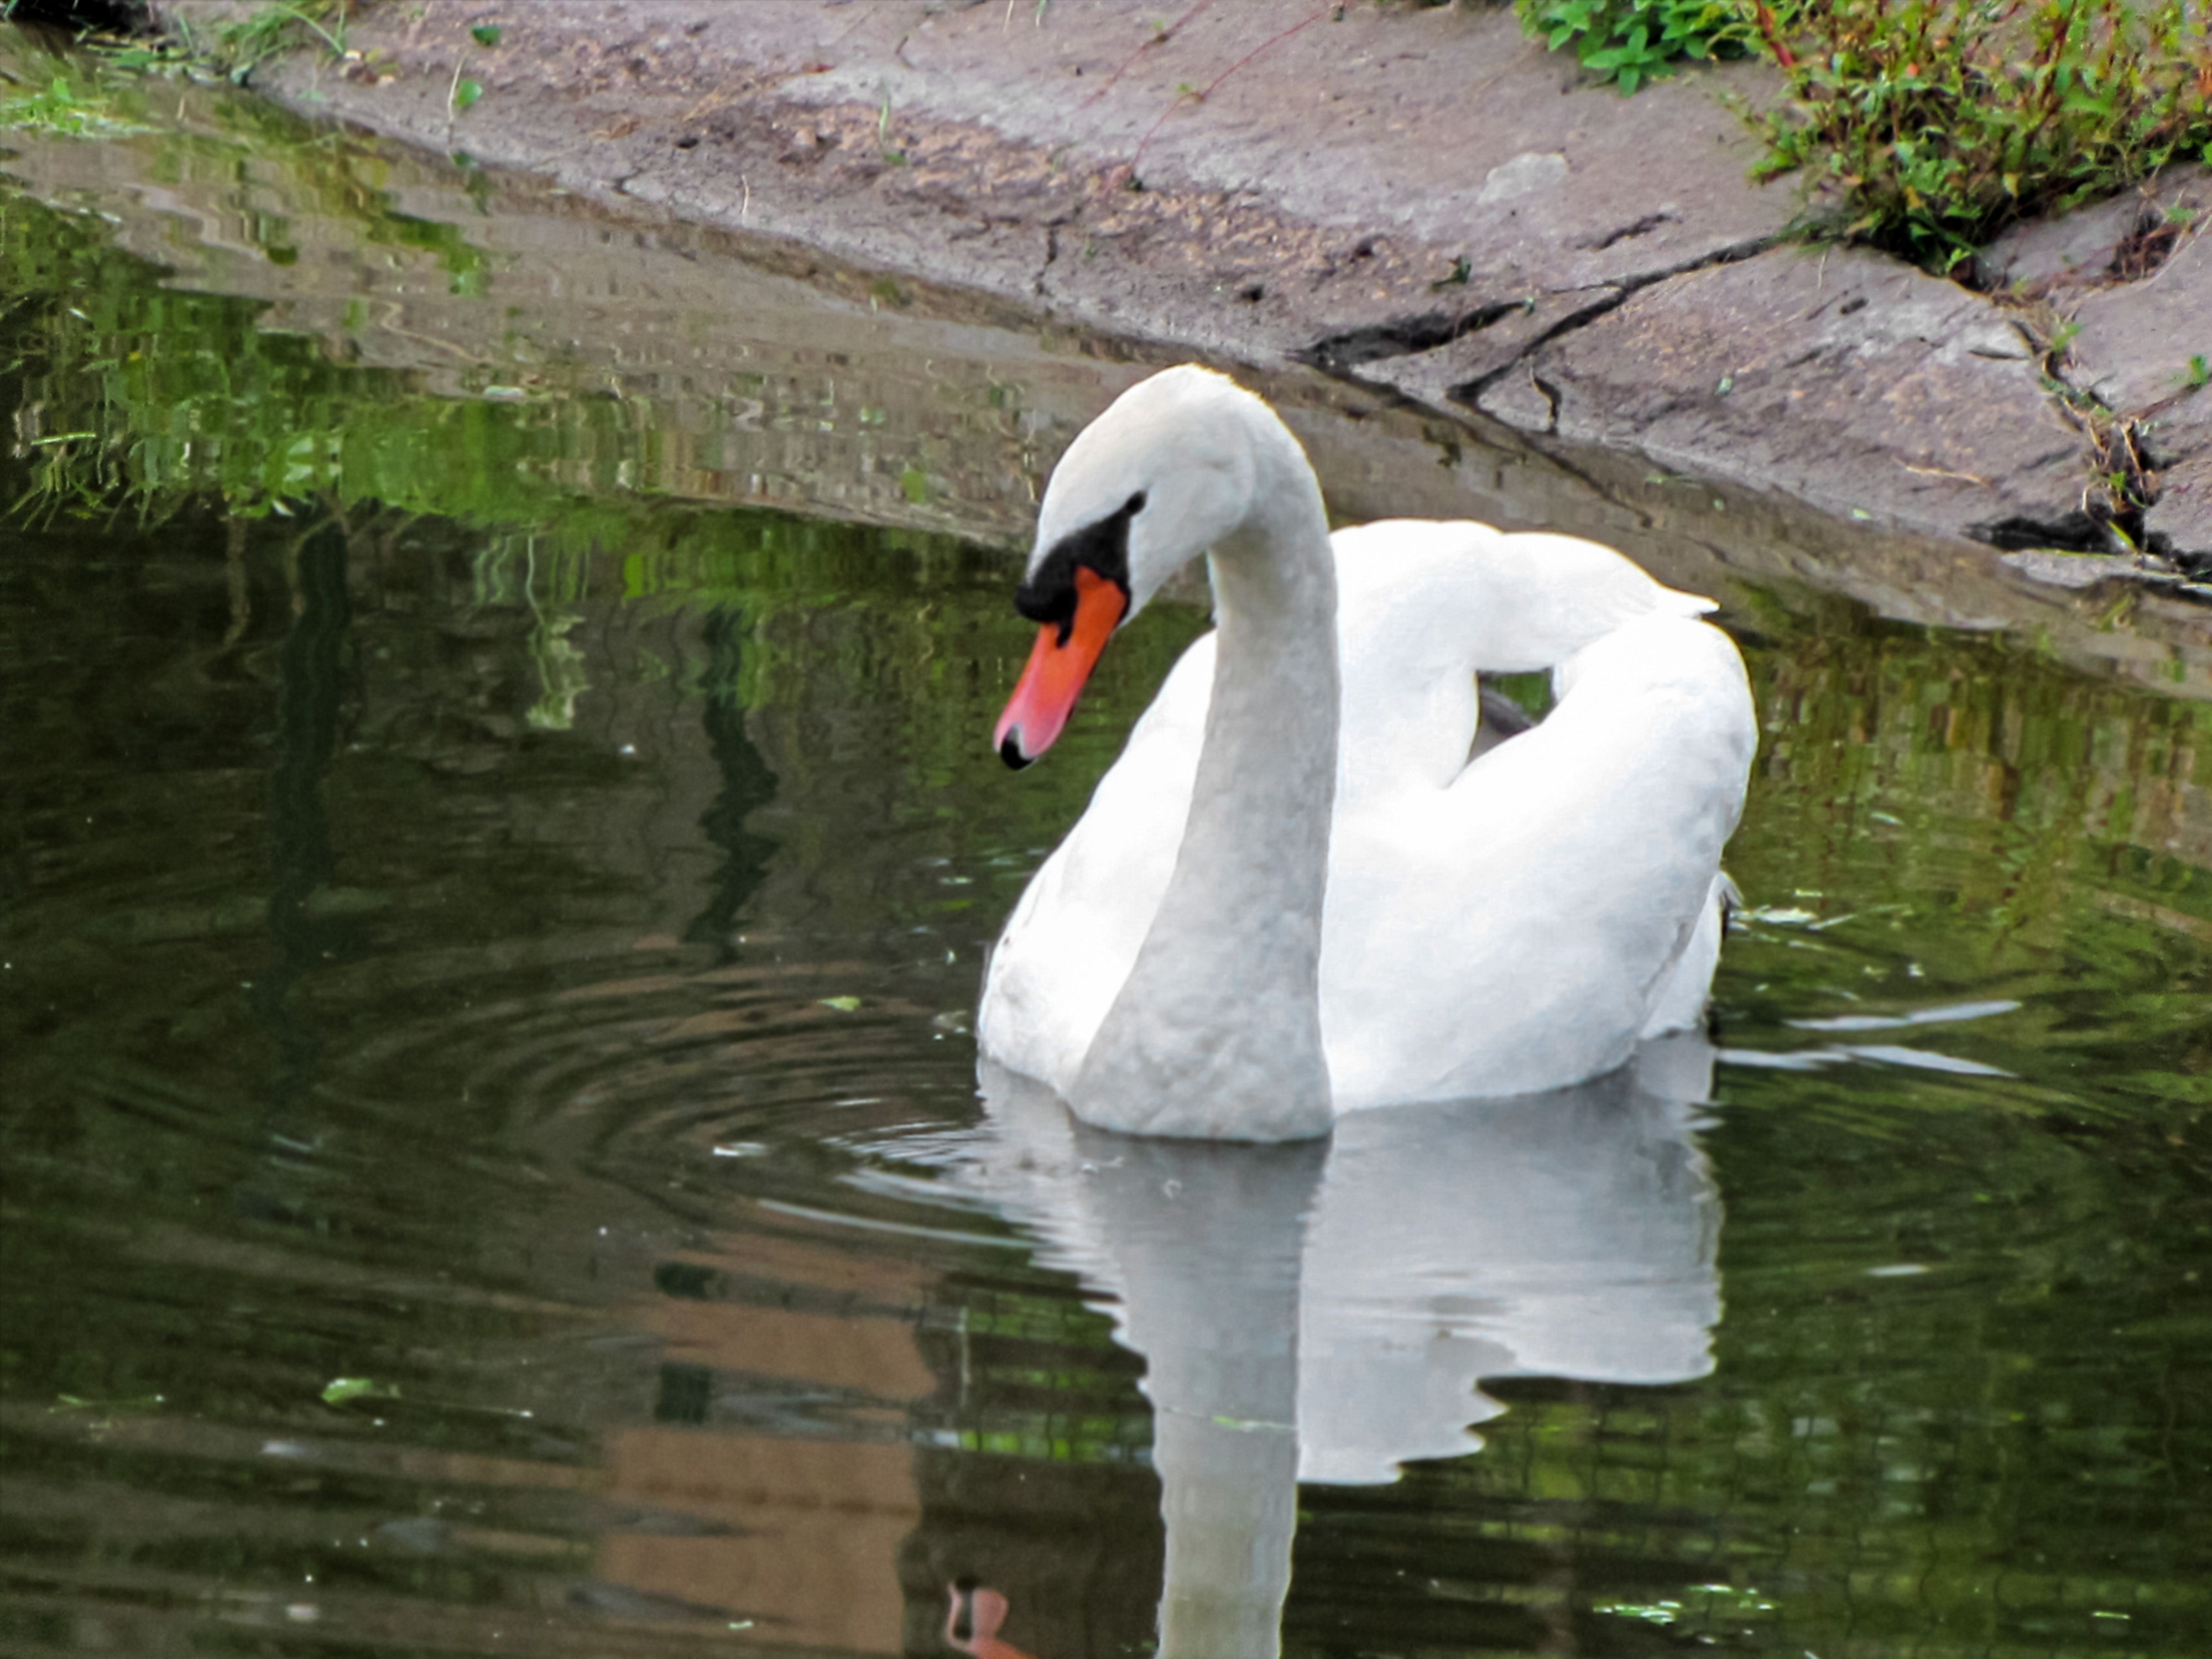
[{"x": 498, "y": 839}]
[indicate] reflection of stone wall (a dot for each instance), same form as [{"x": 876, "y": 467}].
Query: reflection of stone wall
[
  {"x": 2022, "y": 744},
  {"x": 800, "y": 1534},
  {"x": 737, "y": 382},
  {"x": 668, "y": 360},
  {"x": 1076, "y": 1548}
]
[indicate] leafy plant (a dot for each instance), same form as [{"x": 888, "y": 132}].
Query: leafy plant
[
  {"x": 1629, "y": 42},
  {"x": 61, "y": 108},
  {"x": 1932, "y": 123},
  {"x": 1938, "y": 122}
]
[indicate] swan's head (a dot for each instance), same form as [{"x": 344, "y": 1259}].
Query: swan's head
[{"x": 1165, "y": 473}]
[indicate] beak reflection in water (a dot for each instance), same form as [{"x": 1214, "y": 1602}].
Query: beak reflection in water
[{"x": 971, "y": 1625}]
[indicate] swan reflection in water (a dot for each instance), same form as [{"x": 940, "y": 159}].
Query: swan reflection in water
[{"x": 1326, "y": 1310}]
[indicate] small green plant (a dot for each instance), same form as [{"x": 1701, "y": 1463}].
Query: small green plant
[
  {"x": 890, "y": 153},
  {"x": 1629, "y": 42},
  {"x": 1931, "y": 125},
  {"x": 242, "y": 47},
  {"x": 1939, "y": 122},
  {"x": 2200, "y": 371},
  {"x": 61, "y": 109}
]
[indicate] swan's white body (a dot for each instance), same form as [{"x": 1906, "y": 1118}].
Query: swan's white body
[{"x": 1496, "y": 925}]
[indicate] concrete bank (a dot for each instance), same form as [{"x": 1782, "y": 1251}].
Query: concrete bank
[{"x": 1422, "y": 201}]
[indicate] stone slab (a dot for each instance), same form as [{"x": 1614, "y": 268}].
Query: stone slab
[
  {"x": 2045, "y": 258},
  {"x": 1847, "y": 379},
  {"x": 2136, "y": 339},
  {"x": 1259, "y": 183},
  {"x": 2135, "y": 352}
]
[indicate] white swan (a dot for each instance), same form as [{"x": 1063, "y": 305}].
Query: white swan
[{"x": 1295, "y": 893}]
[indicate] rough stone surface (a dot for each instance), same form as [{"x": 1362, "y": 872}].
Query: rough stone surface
[
  {"x": 1847, "y": 379},
  {"x": 2134, "y": 353},
  {"x": 2136, "y": 338},
  {"x": 2070, "y": 569},
  {"x": 1424, "y": 200},
  {"x": 1353, "y": 173},
  {"x": 2133, "y": 278},
  {"x": 2180, "y": 522},
  {"x": 2080, "y": 249}
]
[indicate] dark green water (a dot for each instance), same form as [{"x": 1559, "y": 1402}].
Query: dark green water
[{"x": 488, "y": 1133}]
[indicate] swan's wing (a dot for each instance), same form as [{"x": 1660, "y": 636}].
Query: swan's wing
[
  {"x": 1513, "y": 929},
  {"x": 1076, "y": 929},
  {"x": 1422, "y": 603}
]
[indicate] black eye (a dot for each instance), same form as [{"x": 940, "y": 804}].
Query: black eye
[{"x": 1048, "y": 597}]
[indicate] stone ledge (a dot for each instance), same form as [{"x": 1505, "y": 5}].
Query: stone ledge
[{"x": 1423, "y": 200}]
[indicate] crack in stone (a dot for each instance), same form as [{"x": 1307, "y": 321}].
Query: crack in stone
[
  {"x": 1472, "y": 390},
  {"x": 1550, "y": 394},
  {"x": 1051, "y": 259},
  {"x": 1644, "y": 227},
  {"x": 1337, "y": 353},
  {"x": 1342, "y": 354},
  {"x": 2072, "y": 532}
]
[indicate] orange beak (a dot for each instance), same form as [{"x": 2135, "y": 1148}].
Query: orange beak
[{"x": 1058, "y": 665}]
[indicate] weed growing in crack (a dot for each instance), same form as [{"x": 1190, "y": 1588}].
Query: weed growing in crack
[
  {"x": 1629, "y": 42},
  {"x": 2122, "y": 480},
  {"x": 243, "y": 46},
  {"x": 891, "y": 154}
]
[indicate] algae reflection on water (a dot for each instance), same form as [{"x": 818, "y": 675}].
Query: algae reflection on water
[{"x": 459, "y": 885}]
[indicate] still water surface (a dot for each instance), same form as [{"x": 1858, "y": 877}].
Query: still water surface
[{"x": 498, "y": 839}]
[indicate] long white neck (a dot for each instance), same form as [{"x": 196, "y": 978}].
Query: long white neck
[{"x": 1217, "y": 1031}]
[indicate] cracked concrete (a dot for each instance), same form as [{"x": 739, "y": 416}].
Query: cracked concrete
[{"x": 1422, "y": 201}]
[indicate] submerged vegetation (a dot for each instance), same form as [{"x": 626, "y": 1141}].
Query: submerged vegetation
[{"x": 1930, "y": 124}]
